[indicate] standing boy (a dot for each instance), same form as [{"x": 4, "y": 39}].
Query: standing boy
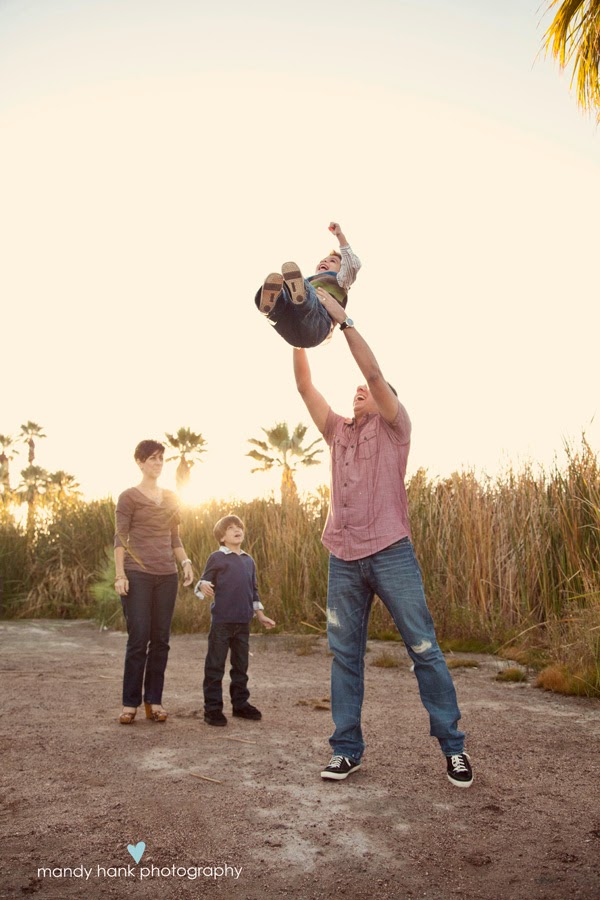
[{"x": 229, "y": 578}]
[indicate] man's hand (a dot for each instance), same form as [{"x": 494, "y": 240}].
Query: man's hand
[
  {"x": 335, "y": 309},
  {"x": 334, "y": 228},
  {"x": 264, "y": 620}
]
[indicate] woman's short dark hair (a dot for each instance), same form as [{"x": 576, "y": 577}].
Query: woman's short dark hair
[
  {"x": 146, "y": 448},
  {"x": 223, "y": 524}
]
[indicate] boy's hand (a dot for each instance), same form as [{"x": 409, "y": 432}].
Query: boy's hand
[
  {"x": 335, "y": 309},
  {"x": 335, "y": 228},
  {"x": 207, "y": 589},
  {"x": 264, "y": 620}
]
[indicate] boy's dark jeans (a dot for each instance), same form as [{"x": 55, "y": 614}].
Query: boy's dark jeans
[
  {"x": 306, "y": 325},
  {"x": 225, "y": 636},
  {"x": 148, "y": 608}
]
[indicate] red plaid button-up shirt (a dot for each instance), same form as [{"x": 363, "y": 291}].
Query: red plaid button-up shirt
[{"x": 369, "y": 509}]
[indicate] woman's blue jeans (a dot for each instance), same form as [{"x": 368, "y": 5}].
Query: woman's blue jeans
[
  {"x": 148, "y": 608},
  {"x": 394, "y": 575}
]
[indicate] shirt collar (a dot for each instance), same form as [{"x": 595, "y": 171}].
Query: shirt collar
[
  {"x": 225, "y": 549},
  {"x": 352, "y": 423}
]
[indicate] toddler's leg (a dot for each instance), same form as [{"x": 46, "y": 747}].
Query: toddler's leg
[
  {"x": 270, "y": 291},
  {"x": 294, "y": 282}
]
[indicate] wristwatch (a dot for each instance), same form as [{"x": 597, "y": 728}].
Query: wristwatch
[{"x": 347, "y": 323}]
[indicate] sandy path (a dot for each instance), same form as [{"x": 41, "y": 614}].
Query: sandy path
[{"x": 78, "y": 788}]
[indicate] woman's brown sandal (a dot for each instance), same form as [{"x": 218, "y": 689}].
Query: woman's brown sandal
[
  {"x": 157, "y": 715},
  {"x": 126, "y": 718}
]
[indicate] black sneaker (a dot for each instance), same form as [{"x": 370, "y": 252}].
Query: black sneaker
[
  {"x": 339, "y": 767},
  {"x": 215, "y": 717},
  {"x": 460, "y": 772},
  {"x": 248, "y": 712}
]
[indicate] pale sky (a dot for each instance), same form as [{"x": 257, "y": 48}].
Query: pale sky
[{"x": 159, "y": 159}]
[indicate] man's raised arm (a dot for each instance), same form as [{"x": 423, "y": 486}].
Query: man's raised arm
[
  {"x": 316, "y": 404},
  {"x": 385, "y": 399}
]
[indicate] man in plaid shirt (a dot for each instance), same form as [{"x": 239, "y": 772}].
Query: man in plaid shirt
[{"x": 368, "y": 536}]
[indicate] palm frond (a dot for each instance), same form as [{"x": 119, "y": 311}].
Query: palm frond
[{"x": 573, "y": 37}]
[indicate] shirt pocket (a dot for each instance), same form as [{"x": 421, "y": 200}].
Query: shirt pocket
[
  {"x": 339, "y": 448},
  {"x": 366, "y": 445}
]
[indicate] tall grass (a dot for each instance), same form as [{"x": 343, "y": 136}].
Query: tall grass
[{"x": 511, "y": 562}]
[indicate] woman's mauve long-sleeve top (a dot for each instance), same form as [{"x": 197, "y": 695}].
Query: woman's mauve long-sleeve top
[{"x": 148, "y": 531}]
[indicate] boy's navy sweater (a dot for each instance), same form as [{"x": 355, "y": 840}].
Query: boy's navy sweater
[{"x": 233, "y": 577}]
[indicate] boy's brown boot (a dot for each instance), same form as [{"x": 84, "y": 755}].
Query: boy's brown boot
[
  {"x": 294, "y": 281},
  {"x": 270, "y": 291}
]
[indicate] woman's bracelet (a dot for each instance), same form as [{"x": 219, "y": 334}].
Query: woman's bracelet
[
  {"x": 120, "y": 577},
  {"x": 184, "y": 561}
]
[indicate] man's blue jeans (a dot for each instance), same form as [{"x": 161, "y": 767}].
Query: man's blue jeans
[
  {"x": 394, "y": 575},
  {"x": 148, "y": 607}
]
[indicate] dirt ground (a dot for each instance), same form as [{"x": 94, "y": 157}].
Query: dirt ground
[{"x": 79, "y": 788}]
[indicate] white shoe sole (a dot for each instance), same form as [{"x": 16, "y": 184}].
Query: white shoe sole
[
  {"x": 462, "y": 784},
  {"x": 334, "y": 776}
]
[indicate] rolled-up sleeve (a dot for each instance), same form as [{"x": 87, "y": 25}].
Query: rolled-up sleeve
[
  {"x": 400, "y": 429},
  {"x": 349, "y": 267},
  {"x": 123, "y": 516},
  {"x": 175, "y": 539}
]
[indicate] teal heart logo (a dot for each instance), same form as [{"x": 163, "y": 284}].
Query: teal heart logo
[{"x": 137, "y": 850}]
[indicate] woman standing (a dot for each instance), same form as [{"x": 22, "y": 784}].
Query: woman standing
[{"x": 147, "y": 545}]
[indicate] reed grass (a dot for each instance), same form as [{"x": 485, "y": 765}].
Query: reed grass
[
  {"x": 509, "y": 564},
  {"x": 512, "y": 674},
  {"x": 386, "y": 660}
]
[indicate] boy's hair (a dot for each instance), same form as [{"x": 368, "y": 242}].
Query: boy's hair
[
  {"x": 335, "y": 253},
  {"x": 223, "y": 524},
  {"x": 146, "y": 448}
]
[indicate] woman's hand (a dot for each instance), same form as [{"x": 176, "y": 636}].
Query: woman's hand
[
  {"x": 121, "y": 585},
  {"x": 188, "y": 572}
]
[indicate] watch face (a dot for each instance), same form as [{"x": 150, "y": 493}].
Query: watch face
[{"x": 350, "y": 323}]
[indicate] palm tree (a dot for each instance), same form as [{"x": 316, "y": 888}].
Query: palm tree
[
  {"x": 28, "y": 432},
  {"x": 277, "y": 451},
  {"x": 187, "y": 444},
  {"x": 34, "y": 483},
  {"x": 61, "y": 487},
  {"x": 574, "y": 36},
  {"x": 6, "y": 454}
]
